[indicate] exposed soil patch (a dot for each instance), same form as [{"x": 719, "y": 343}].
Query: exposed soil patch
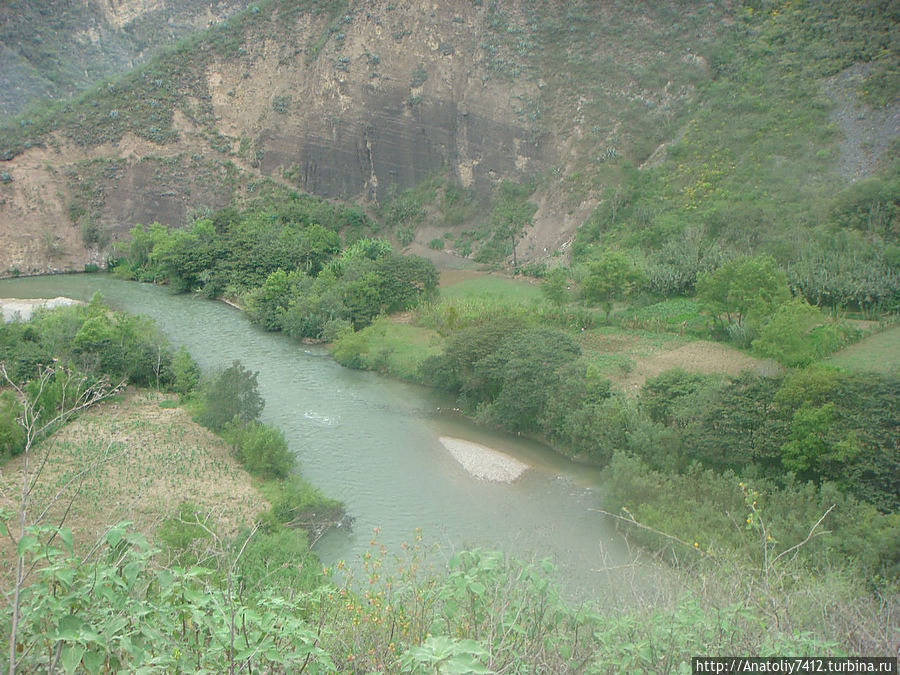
[
  {"x": 867, "y": 132},
  {"x": 699, "y": 356}
]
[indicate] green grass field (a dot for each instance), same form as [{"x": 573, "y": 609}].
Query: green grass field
[
  {"x": 496, "y": 287},
  {"x": 879, "y": 353},
  {"x": 396, "y": 348}
]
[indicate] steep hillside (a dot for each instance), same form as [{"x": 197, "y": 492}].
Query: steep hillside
[
  {"x": 54, "y": 49},
  {"x": 482, "y": 127}
]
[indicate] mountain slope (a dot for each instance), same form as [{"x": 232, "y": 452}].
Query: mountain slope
[
  {"x": 642, "y": 120},
  {"x": 56, "y": 48}
]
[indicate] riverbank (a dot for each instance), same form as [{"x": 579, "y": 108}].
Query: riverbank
[{"x": 13, "y": 309}]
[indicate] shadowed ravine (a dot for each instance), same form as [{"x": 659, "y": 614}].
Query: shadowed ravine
[{"x": 374, "y": 443}]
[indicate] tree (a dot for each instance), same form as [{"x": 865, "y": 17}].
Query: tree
[
  {"x": 747, "y": 288},
  {"x": 260, "y": 448},
  {"x": 403, "y": 279},
  {"x": 230, "y": 394},
  {"x": 519, "y": 376},
  {"x": 785, "y": 337},
  {"x": 819, "y": 448},
  {"x": 611, "y": 277},
  {"x": 267, "y": 304},
  {"x": 554, "y": 286}
]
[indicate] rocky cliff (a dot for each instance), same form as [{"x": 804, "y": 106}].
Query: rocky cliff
[
  {"x": 362, "y": 99},
  {"x": 348, "y": 104}
]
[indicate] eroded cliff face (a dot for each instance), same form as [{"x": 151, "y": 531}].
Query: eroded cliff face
[
  {"x": 400, "y": 94},
  {"x": 350, "y": 106}
]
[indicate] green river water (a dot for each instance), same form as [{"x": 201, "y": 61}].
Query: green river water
[{"x": 373, "y": 443}]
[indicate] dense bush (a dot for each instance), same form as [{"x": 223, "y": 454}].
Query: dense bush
[
  {"x": 229, "y": 395},
  {"x": 846, "y": 279},
  {"x": 366, "y": 280},
  {"x": 12, "y": 436},
  {"x": 237, "y": 250},
  {"x": 261, "y": 449},
  {"x": 743, "y": 289},
  {"x": 795, "y": 335},
  {"x": 484, "y": 613}
]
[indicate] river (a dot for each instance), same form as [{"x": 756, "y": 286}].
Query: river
[{"x": 372, "y": 442}]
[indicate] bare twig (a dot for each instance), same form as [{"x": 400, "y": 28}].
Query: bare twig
[
  {"x": 809, "y": 536},
  {"x": 632, "y": 521}
]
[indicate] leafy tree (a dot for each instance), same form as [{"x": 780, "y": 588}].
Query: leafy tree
[
  {"x": 747, "y": 288},
  {"x": 230, "y": 394},
  {"x": 267, "y": 304},
  {"x": 362, "y": 299},
  {"x": 464, "y": 349},
  {"x": 403, "y": 279},
  {"x": 185, "y": 372},
  {"x": 187, "y": 255},
  {"x": 261, "y": 448},
  {"x": 577, "y": 384},
  {"x": 610, "y": 277},
  {"x": 785, "y": 336},
  {"x": 677, "y": 396},
  {"x": 871, "y": 205},
  {"x": 516, "y": 378},
  {"x": 813, "y": 386},
  {"x": 596, "y": 430},
  {"x": 554, "y": 286},
  {"x": 818, "y": 448},
  {"x": 741, "y": 426},
  {"x": 317, "y": 246},
  {"x": 373, "y": 249}
]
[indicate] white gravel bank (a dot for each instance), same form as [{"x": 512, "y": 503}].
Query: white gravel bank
[
  {"x": 483, "y": 462},
  {"x": 15, "y": 308}
]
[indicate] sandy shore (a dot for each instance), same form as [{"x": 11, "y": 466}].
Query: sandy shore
[
  {"x": 15, "y": 308},
  {"x": 483, "y": 462}
]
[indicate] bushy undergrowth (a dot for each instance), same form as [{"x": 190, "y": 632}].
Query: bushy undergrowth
[{"x": 398, "y": 613}]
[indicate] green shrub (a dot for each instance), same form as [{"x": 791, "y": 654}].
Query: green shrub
[
  {"x": 184, "y": 532},
  {"x": 12, "y": 436},
  {"x": 185, "y": 372},
  {"x": 297, "y": 503},
  {"x": 260, "y": 448},
  {"x": 278, "y": 559},
  {"x": 228, "y": 395}
]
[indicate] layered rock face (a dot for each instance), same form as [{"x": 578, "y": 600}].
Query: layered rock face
[
  {"x": 392, "y": 96},
  {"x": 350, "y": 106}
]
